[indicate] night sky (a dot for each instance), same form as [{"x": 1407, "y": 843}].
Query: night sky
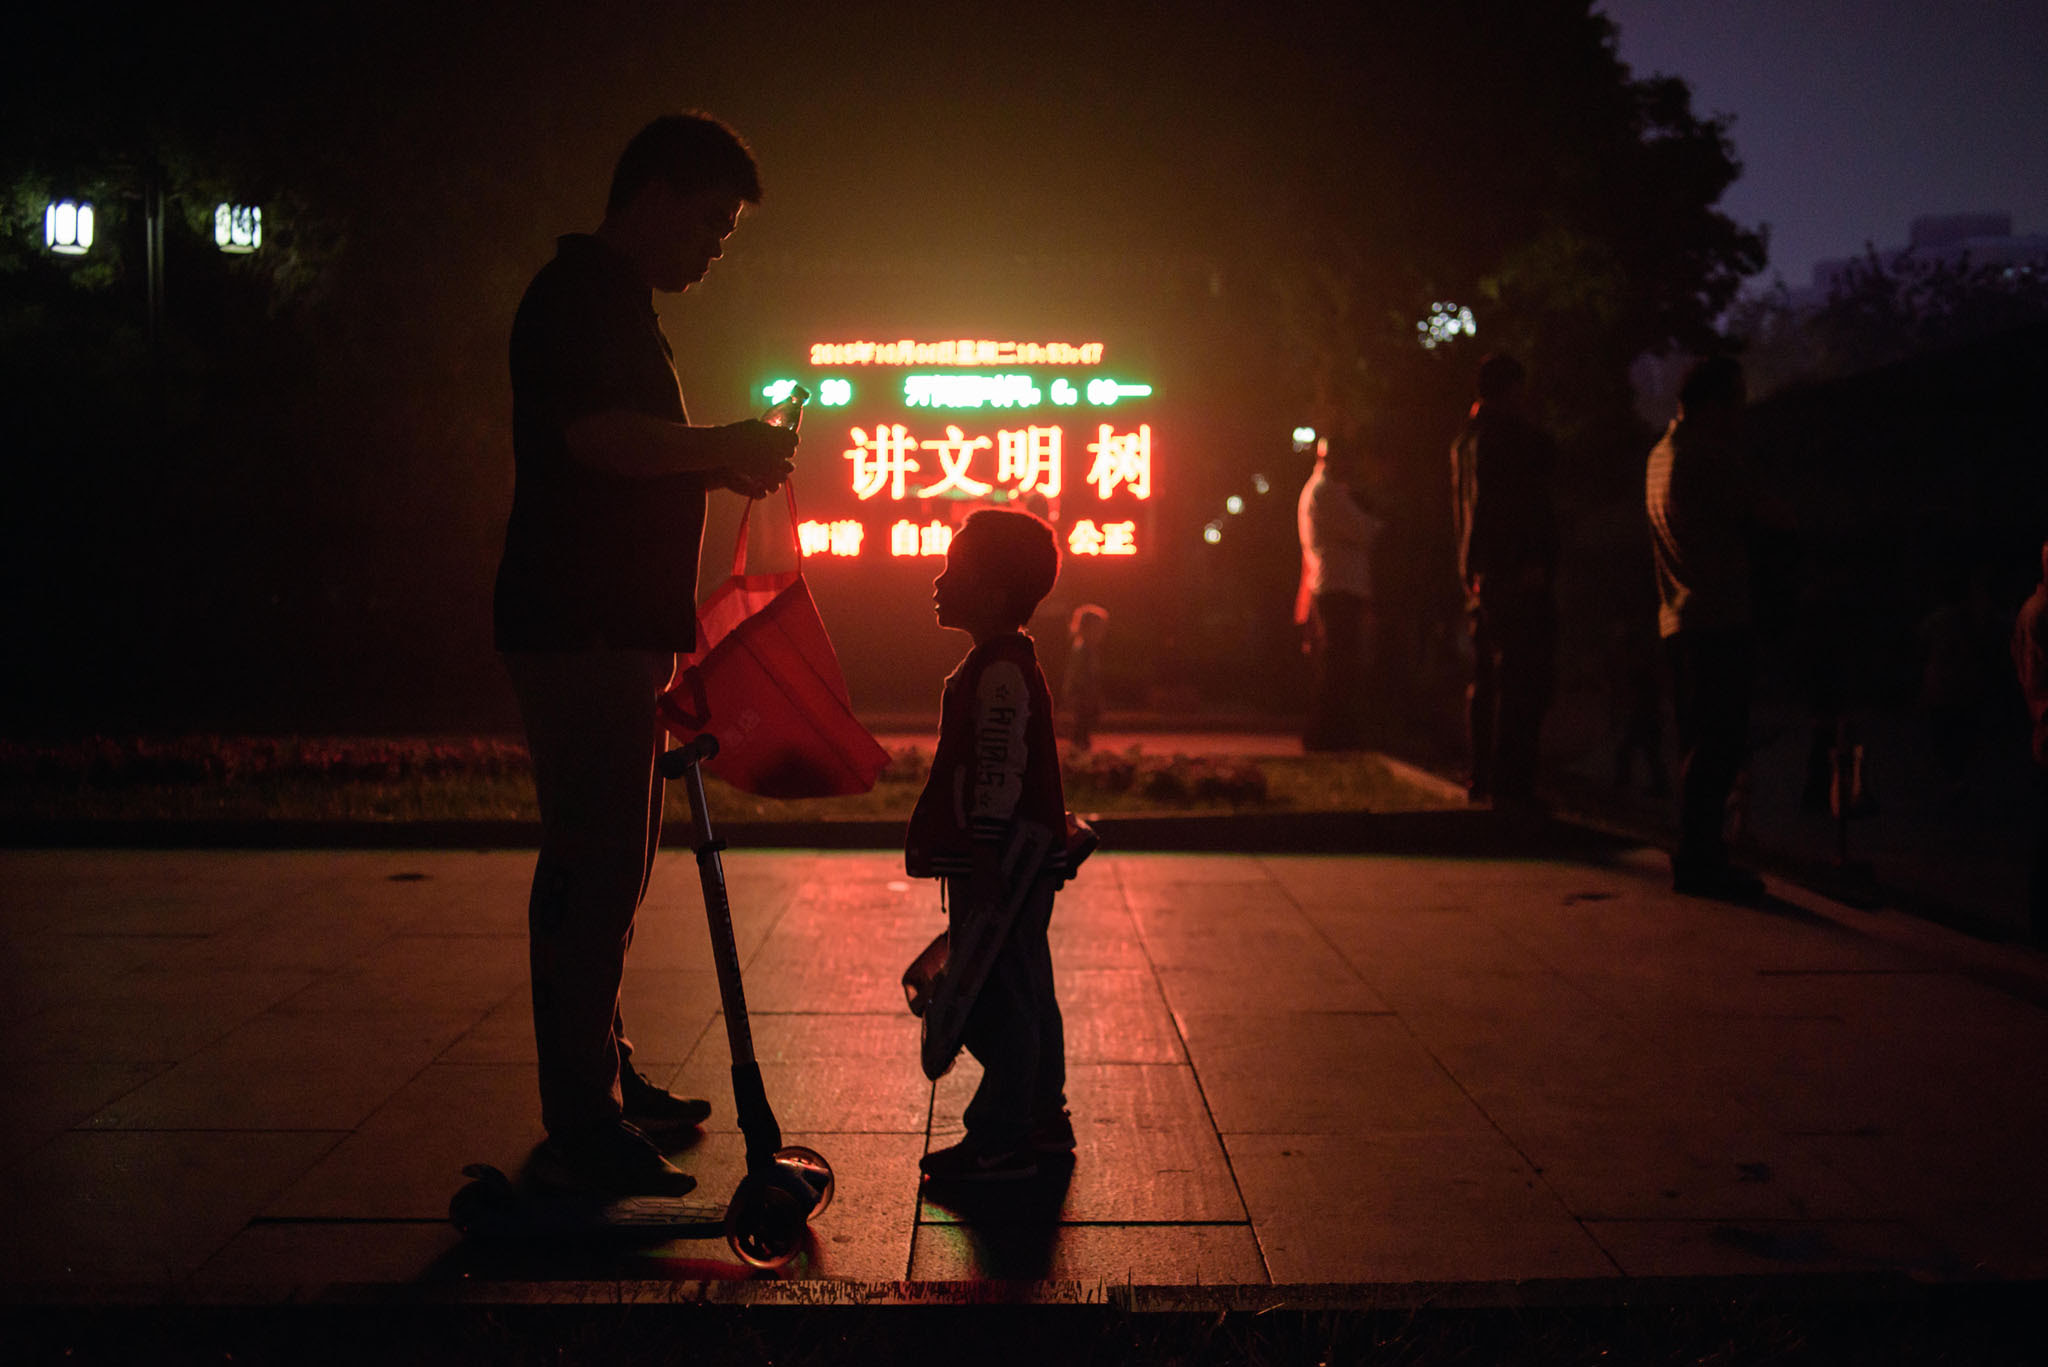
[{"x": 1854, "y": 116}]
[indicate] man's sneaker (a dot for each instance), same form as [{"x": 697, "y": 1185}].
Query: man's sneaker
[
  {"x": 1053, "y": 1136},
  {"x": 969, "y": 1162},
  {"x": 613, "y": 1160},
  {"x": 656, "y": 1110}
]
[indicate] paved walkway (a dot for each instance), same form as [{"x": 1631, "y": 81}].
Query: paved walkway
[{"x": 257, "y": 1075}]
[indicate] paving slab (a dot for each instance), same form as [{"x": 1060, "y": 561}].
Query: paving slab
[
  {"x": 145, "y": 1208},
  {"x": 1433, "y": 1206},
  {"x": 249, "y": 1074}
]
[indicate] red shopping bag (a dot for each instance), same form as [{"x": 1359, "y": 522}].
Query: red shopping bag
[{"x": 765, "y": 681}]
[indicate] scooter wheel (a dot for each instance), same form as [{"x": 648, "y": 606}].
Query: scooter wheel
[
  {"x": 765, "y": 1222},
  {"x": 809, "y": 1167}
]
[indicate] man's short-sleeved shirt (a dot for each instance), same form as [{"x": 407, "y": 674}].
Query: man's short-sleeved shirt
[
  {"x": 593, "y": 559},
  {"x": 1700, "y": 499}
]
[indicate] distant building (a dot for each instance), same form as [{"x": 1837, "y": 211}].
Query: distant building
[
  {"x": 1984, "y": 239},
  {"x": 1981, "y": 239}
]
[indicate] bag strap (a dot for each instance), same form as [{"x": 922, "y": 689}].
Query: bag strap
[{"x": 739, "y": 550}]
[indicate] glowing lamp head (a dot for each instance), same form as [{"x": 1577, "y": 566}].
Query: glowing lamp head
[
  {"x": 67, "y": 227},
  {"x": 237, "y": 228}
]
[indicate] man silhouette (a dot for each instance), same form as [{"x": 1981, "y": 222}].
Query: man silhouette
[
  {"x": 596, "y": 593},
  {"x": 1501, "y": 466}
]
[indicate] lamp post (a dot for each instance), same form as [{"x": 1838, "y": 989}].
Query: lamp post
[{"x": 153, "y": 255}]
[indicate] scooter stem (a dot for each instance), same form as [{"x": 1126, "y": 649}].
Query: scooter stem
[{"x": 750, "y": 1099}]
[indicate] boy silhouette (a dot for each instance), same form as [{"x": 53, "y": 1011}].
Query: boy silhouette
[{"x": 996, "y": 766}]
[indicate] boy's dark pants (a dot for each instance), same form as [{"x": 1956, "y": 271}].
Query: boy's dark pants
[{"x": 1015, "y": 1031}]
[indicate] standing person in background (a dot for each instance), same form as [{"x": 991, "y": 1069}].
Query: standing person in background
[
  {"x": 1338, "y": 527},
  {"x": 1081, "y": 685},
  {"x": 1501, "y": 470},
  {"x": 2030, "y": 659},
  {"x": 1704, "y": 509}
]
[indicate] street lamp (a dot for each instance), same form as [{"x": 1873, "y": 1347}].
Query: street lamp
[
  {"x": 67, "y": 227},
  {"x": 237, "y": 228}
]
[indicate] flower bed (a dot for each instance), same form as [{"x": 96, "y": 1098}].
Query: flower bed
[{"x": 490, "y": 779}]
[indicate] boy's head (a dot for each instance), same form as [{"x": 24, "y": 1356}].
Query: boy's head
[{"x": 999, "y": 568}]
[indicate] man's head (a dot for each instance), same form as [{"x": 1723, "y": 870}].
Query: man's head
[
  {"x": 1001, "y": 565},
  {"x": 1500, "y": 378},
  {"x": 1713, "y": 390},
  {"x": 676, "y": 196}
]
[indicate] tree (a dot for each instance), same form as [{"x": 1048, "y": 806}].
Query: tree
[
  {"x": 1569, "y": 205},
  {"x": 1882, "y": 311}
]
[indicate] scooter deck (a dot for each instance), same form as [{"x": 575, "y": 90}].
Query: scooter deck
[{"x": 490, "y": 1207}]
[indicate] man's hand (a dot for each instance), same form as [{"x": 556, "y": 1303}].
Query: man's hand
[{"x": 761, "y": 458}]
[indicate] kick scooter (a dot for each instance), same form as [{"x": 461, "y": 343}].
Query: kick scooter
[{"x": 786, "y": 1186}]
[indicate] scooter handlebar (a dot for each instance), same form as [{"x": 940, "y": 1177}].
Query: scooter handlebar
[{"x": 701, "y": 747}]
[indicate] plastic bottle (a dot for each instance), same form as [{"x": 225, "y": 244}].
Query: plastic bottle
[{"x": 790, "y": 412}]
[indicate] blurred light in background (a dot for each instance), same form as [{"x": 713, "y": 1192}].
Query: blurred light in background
[
  {"x": 1213, "y": 533},
  {"x": 1233, "y": 505},
  {"x": 237, "y": 228},
  {"x": 1446, "y": 323},
  {"x": 67, "y": 227},
  {"x": 1304, "y": 437},
  {"x": 1261, "y": 485}
]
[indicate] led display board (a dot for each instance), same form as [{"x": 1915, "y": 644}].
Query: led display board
[{"x": 906, "y": 437}]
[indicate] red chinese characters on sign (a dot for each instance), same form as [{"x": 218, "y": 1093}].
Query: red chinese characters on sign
[
  {"x": 907, "y": 538},
  {"x": 1108, "y": 538},
  {"x": 1122, "y": 460},
  {"x": 841, "y": 537},
  {"x": 882, "y": 461},
  {"x": 1031, "y": 457},
  {"x": 956, "y": 351},
  {"x": 955, "y": 453},
  {"x": 1025, "y": 460},
  {"x": 895, "y": 463}
]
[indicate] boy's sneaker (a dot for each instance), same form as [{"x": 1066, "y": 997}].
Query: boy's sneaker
[
  {"x": 967, "y": 1161},
  {"x": 613, "y": 1160},
  {"x": 1053, "y": 1136},
  {"x": 655, "y": 1110}
]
